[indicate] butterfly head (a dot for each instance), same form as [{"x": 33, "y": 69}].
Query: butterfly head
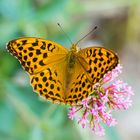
[{"x": 74, "y": 48}]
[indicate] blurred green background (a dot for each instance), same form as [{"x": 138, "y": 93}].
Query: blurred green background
[{"x": 23, "y": 114}]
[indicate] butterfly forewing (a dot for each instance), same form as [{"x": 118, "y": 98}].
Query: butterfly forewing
[
  {"x": 34, "y": 53},
  {"x": 97, "y": 61}
]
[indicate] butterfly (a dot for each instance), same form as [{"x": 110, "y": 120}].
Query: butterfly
[{"x": 62, "y": 75}]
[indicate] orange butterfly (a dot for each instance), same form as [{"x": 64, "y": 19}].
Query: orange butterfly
[{"x": 59, "y": 74}]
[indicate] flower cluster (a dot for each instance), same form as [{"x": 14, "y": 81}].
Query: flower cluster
[{"x": 105, "y": 97}]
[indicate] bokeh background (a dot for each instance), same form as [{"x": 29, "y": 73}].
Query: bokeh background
[{"x": 23, "y": 114}]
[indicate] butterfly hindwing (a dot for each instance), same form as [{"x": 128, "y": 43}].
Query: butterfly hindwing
[
  {"x": 79, "y": 87},
  {"x": 50, "y": 82}
]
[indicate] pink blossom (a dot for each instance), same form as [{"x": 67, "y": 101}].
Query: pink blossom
[
  {"x": 85, "y": 102},
  {"x": 120, "y": 94},
  {"x": 83, "y": 120},
  {"x": 99, "y": 130},
  {"x": 104, "y": 97},
  {"x": 97, "y": 109},
  {"x": 111, "y": 75},
  {"x": 94, "y": 110},
  {"x": 72, "y": 112},
  {"x": 116, "y": 71}
]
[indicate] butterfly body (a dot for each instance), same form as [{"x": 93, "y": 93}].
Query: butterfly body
[
  {"x": 59, "y": 74},
  {"x": 71, "y": 57}
]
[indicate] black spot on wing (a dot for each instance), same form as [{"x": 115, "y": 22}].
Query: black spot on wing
[{"x": 41, "y": 63}]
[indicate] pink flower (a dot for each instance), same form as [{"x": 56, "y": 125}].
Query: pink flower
[
  {"x": 119, "y": 93},
  {"x": 72, "y": 112},
  {"x": 99, "y": 130},
  {"x": 97, "y": 109},
  {"x": 85, "y": 102},
  {"x": 83, "y": 120},
  {"x": 94, "y": 110},
  {"x": 111, "y": 75}
]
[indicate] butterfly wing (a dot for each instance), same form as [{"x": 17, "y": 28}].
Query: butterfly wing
[
  {"x": 79, "y": 86},
  {"x": 43, "y": 60},
  {"x": 50, "y": 82},
  {"x": 92, "y": 64},
  {"x": 34, "y": 53},
  {"x": 97, "y": 61}
]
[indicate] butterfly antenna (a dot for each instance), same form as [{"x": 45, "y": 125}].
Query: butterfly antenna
[
  {"x": 65, "y": 33},
  {"x": 87, "y": 34}
]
